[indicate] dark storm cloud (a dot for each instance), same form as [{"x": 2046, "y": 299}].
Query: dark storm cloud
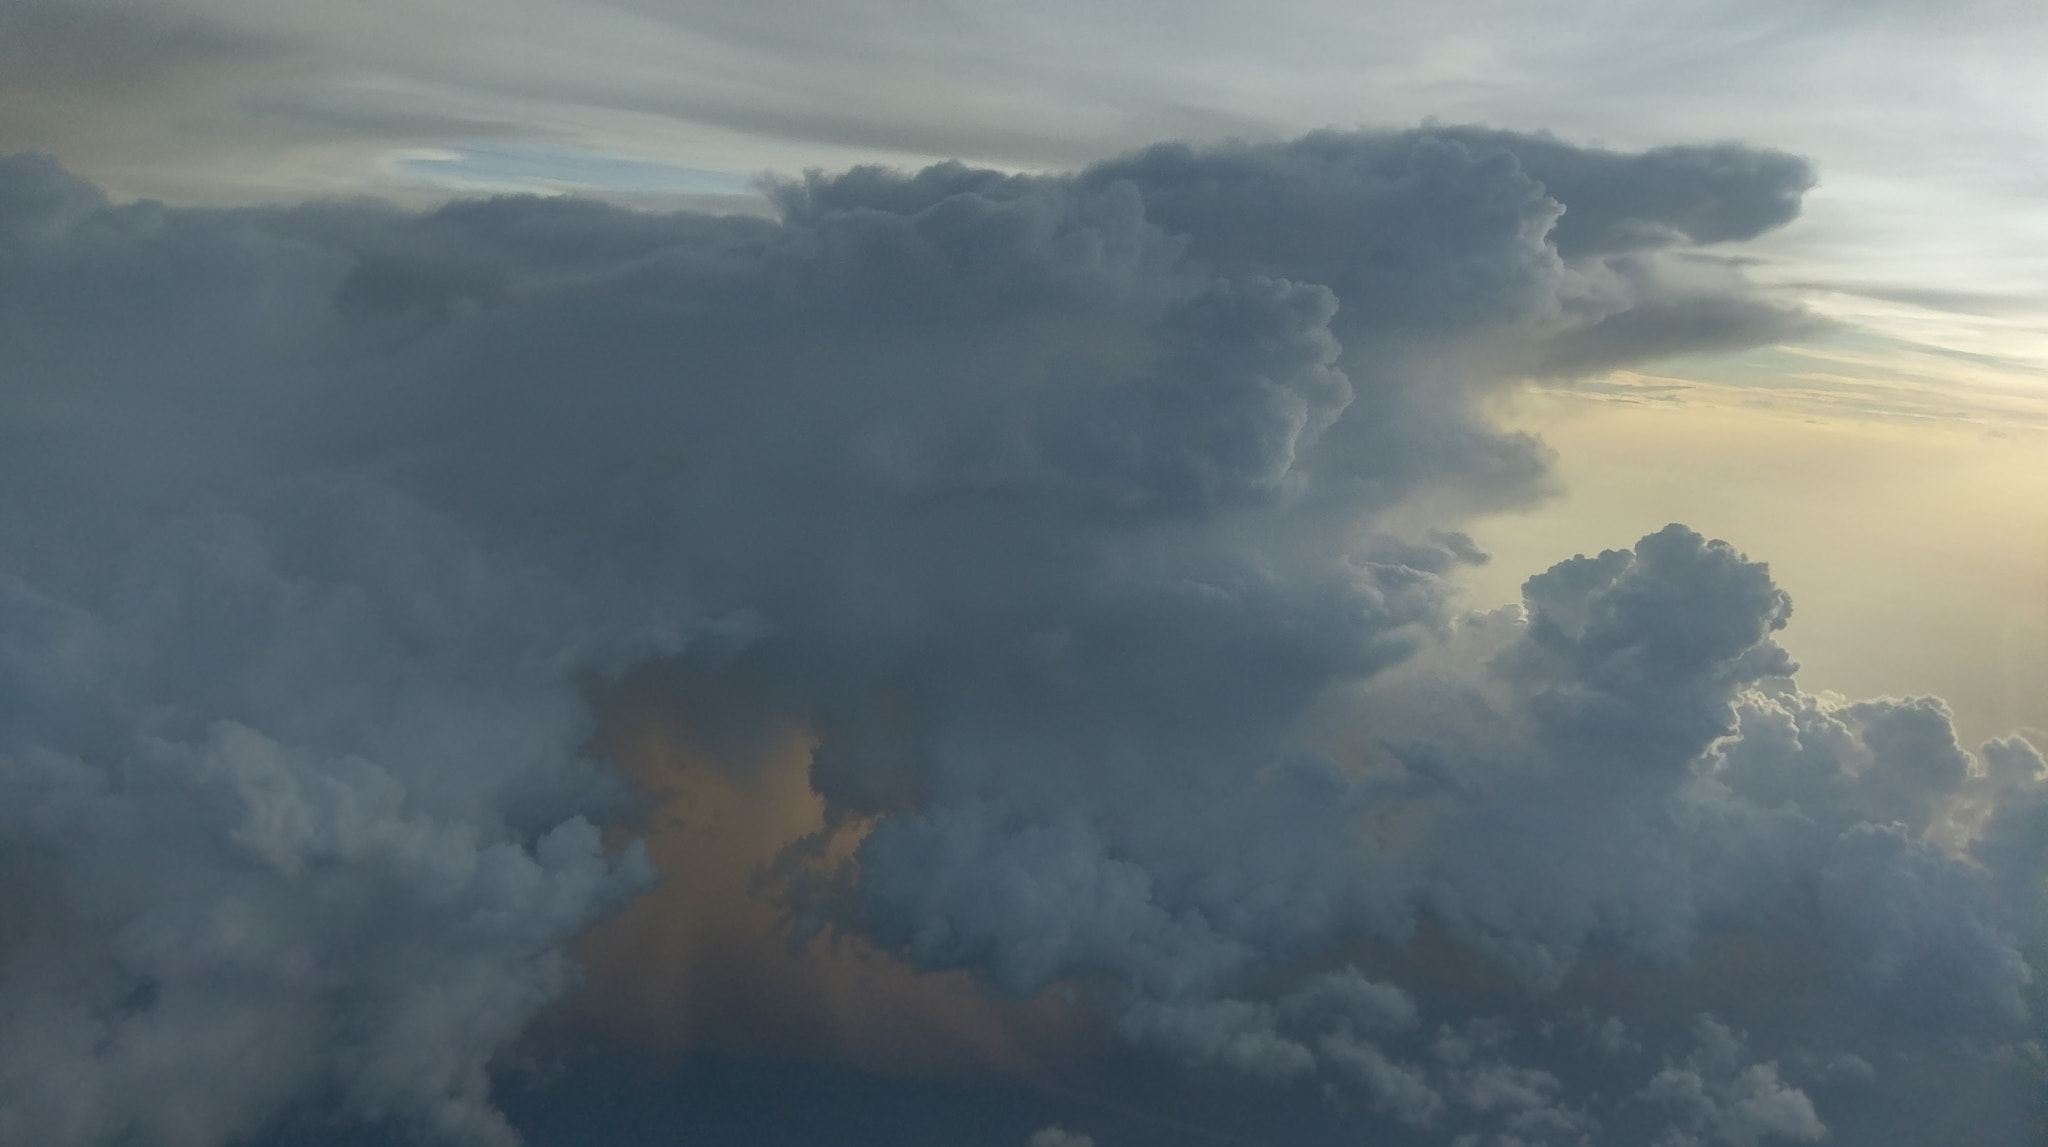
[
  {"x": 1481, "y": 235},
  {"x": 1600, "y": 777},
  {"x": 1098, "y": 528}
]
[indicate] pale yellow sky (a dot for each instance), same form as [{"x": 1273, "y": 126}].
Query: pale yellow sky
[{"x": 1915, "y": 547}]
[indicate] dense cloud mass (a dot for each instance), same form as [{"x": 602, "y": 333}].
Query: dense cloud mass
[{"x": 1100, "y": 530}]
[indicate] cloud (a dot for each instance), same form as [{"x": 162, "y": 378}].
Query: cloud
[
  {"x": 1719, "y": 1100},
  {"x": 207, "y": 926},
  {"x": 1596, "y": 781},
  {"x": 1097, "y": 531},
  {"x": 105, "y": 53}
]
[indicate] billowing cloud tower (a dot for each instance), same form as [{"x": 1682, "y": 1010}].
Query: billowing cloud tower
[{"x": 1098, "y": 535}]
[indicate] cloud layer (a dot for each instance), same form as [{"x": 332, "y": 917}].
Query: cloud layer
[{"x": 1100, "y": 529}]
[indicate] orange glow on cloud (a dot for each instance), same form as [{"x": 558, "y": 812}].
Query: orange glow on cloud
[{"x": 703, "y": 963}]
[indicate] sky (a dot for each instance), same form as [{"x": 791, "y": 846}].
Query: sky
[{"x": 1107, "y": 575}]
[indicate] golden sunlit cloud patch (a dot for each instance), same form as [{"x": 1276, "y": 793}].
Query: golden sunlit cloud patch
[{"x": 704, "y": 961}]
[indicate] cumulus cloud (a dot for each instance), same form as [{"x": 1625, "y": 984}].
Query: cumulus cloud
[
  {"x": 1594, "y": 782},
  {"x": 1718, "y": 1099},
  {"x": 207, "y": 925},
  {"x": 1099, "y": 530}
]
